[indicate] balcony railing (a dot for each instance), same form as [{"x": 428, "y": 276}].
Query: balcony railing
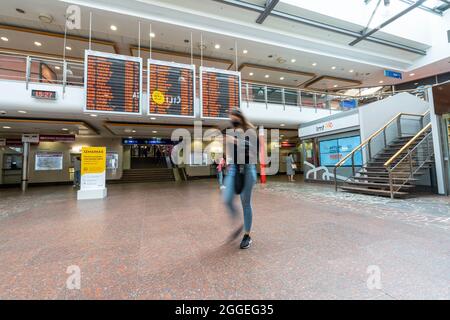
[{"x": 43, "y": 69}]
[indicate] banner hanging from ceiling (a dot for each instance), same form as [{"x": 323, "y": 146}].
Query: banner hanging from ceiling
[
  {"x": 112, "y": 83},
  {"x": 171, "y": 88},
  {"x": 220, "y": 92}
]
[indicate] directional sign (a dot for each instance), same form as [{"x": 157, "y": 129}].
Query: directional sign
[{"x": 393, "y": 74}]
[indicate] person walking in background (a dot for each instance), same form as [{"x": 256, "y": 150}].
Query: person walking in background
[
  {"x": 290, "y": 167},
  {"x": 241, "y": 177},
  {"x": 220, "y": 170},
  {"x": 77, "y": 172}
]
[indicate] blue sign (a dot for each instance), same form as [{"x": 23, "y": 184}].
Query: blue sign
[
  {"x": 393, "y": 74},
  {"x": 349, "y": 104},
  {"x": 147, "y": 141}
]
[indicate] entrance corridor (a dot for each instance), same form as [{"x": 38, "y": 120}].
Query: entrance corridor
[{"x": 167, "y": 241}]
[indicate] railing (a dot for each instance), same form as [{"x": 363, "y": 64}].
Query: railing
[
  {"x": 403, "y": 124},
  {"x": 44, "y": 69},
  {"x": 419, "y": 152}
]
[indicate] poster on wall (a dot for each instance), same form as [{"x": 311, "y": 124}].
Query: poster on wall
[
  {"x": 48, "y": 161},
  {"x": 112, "y": 160},
  {"x": 172, "y": 89},
  {"x": 332, "y": 151},
  {"x": 220, "y": 92},
  {"x": 112, "y": 83},
  {"x": 93, "y": 168}
]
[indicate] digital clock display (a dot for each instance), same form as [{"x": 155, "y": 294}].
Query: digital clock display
[{"x": 43, "y": 94}]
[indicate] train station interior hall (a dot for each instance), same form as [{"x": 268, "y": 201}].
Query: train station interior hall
[{"x": 216, "y": 149}]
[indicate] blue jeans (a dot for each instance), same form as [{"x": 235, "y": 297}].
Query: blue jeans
[
  {"x": 220, "y": 177},
  {"x": 246, "y": 194}
]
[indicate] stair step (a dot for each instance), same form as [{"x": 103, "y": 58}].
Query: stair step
[
  {"x": 380, "y": 185},
  {"x": 383, "y": 179},
  {"x": 386, "y": 193}
]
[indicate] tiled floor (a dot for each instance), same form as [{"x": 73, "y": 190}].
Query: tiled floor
[{"x": 165, "y": 241}]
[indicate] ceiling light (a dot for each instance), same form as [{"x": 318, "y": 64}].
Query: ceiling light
[
  {"x": 314, "y": 64},
  {"x": 245, "y": 51},
  {"x": 6, "y": 127},
  {"x": 351, "y": 71},
  {"x": 335, "y": 86},
  {"x": 266, "y": 76},
  {"x": 412, "y": 74},
  {"x": 130, "y": 137},
  {"x": 333, "y": 68},
  {"x": 217, "y": 46},
  {"x": 281, "y": 78},
  {"x": 4, "y": 38},
  {"x": 293, "y": 60},
  {"x": 133, "y": 131},
  {"x": 154, "y": 131},
  {"x": 113, "y": 28},
  {"x": 57, "y": 67},
  {"x": 381, "y": 81},
  {"x": 282, "y": 125},
  {"x": 37, "y": 43},
  {"x": 251, "y": 74},
  {"x": 93, "y": 115},
  {"x": 152, "y": 118},
  {"x": 68, "y": 48},
  {"x": 65, "y": 129},
  {"x": 21, "y": 111},
  {"x": 152, "y": 34}
]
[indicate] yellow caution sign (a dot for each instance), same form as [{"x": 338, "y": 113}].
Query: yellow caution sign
[
  {"x": 93, "y": 160},
  {"x": 158, "y": 97}
]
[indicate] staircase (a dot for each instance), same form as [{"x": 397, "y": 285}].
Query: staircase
[
  {"x": 147, "y": 175},
  {"x": 394, "y": 170}
]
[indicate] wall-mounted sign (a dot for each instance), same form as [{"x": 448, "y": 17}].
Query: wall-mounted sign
[
  {"x": 43, "y": 94},
  {"x": 48, "y": 161},
  {"x": 113, "y": 83},
  {"x": 30, "y": 138},
  {"x": 348, "y": 122},
  {"x": 220, "y": 92},
  {"x": 57, "y": 138},
  {"x": 393, "y": 74},
  {"x": 93, "y": 167},
  {"x": 148, "y": 141},
  {"x": 171, "y": 88}
]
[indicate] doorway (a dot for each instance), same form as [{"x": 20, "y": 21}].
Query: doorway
[{"x": 145, "y": 156}]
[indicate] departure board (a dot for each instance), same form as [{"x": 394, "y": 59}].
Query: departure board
[
  {"x": 172, "y": 88},
  {"x": 220, "y": 92},
  {"x": 112, "y": 83}
]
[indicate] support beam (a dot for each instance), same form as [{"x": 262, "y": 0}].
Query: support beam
[
  {"x": 270, "y": 4},
  {"x": 365, "y": 35}
]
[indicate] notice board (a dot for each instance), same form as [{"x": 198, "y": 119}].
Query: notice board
[
  {"x": 220, "y": 92},
  {"x": 112, "y": 83},
  {"x": 172, "y": 89}
]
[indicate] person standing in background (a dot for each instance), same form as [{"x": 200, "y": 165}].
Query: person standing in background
[
  {"x": 220, "y": 170},
  {"x": 290, "y": 167},
  {"x": 77, "y": 172}
]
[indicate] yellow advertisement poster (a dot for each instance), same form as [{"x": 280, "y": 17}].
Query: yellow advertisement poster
[{"x": 93, "y": 160}]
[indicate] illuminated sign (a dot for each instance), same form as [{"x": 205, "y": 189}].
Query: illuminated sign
[
  {"x": 220, "y": 92},
  {"x": 43, "y": 94},
  {"x": 172, "y": 88},
  {"x": 393, "y": 74},
  {"x": 113, "y": 83}
]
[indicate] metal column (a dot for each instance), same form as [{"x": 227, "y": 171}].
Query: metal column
[{"x": 25, "y": 165}]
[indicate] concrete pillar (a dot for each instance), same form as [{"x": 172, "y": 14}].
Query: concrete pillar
[{"x": 25, "y": 165}]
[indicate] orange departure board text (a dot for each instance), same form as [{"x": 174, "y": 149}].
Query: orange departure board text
[
  {"x": 171, "y": 88},
  {"x": 112, "y": 83},
  {"x": 220, "y": 92}
]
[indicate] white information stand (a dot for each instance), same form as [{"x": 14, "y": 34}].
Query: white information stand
[{"x": 93, "y": 173}]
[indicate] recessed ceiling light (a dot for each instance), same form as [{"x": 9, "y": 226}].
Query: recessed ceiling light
[
  {"x": 68, "y": 48},
  {"x": 130, "y": 137},
  {"x": 245, "y": 51},
  {"x": 351, "y": 71},
  {"x": 6, "y": 127},
  {"x": 412, "y": 74},
  {"x": 4, "y": 38},
  {"x": 37, "y": 43},
  {"x": 133, "y": 131},
  {"x": 152, "y": 34},
  {"x": 65, "y": 129},
  {"x": 314, "y": 64},
  {"x": 113, "y": 28},
  {"x": 154, "y": 131},
  {"x": 152, "y": 118},
  {"x": 217, "y": 46},
  {"x": 21, "y": 111},
  {"x": 335, "y": 86},
  {"x": 57, "y": 67},
  {"x": 93, "y": 115},
  {"x": 266, "y": 76},
  {"x": 381, "y": 81},
  {"x": 251, "y": 74},
  {"x": 293, "y": 60},
  {"x": 282, "y": 125},
  {"x": 416, "y": 84},
  {"x": 281, "y": 78},
  {"x": 333, "y": 68}
]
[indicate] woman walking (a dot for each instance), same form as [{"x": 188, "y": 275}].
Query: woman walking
[
  {"x": 290, "y": 167},
  {"x": 241, "y": 175}
]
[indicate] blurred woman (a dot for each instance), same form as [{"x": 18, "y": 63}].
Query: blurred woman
[
  {"x": 241, "y": 172},
  {"x": 290, "y": 167}
]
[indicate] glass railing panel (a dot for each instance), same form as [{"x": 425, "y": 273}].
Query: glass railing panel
[
  {"x": 275, "y": 95},
  {"x": 307, "y": 99},
  {"x": 75, "y": 74},
  {"x": 13, "y": 68},
  {"x": 256, "y": 93},
  {"x": 321, "y": 101},
  {"x": 291, "y": 97}
]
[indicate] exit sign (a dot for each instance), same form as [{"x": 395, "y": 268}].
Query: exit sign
[
  {"x": 393, "y": 74},
  {"x": 43, "y": 94}
]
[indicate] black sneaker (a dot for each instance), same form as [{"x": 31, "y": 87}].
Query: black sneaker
[{"x": 246, "y": 242}]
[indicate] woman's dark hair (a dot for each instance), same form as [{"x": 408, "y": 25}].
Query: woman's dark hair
[{"x": 245, "y": 123}]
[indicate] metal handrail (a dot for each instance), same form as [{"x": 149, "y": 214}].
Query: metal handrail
[{"x": 406, "y": 146}]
